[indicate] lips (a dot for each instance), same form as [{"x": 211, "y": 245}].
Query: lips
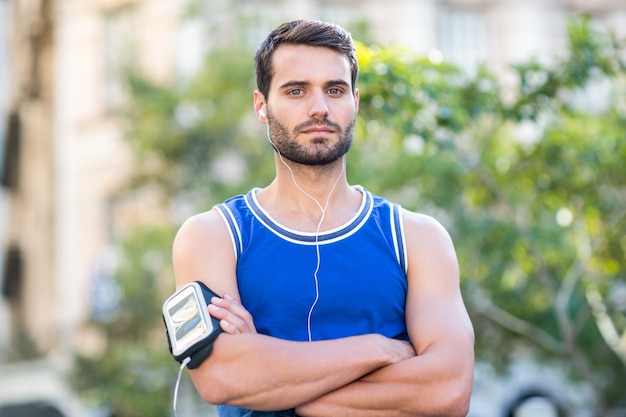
[{"x": 318, "y": 129}]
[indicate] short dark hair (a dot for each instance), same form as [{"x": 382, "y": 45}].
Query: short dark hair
[{"x": 303, "y": 32}]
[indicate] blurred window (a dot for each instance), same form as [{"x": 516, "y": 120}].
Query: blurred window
[
  {"x": 596, "y": 97},
  {"x": 463, "y": 37},
  {"x": 120, "y": 53}
]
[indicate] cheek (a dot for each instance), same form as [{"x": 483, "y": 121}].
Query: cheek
[
  {"x": 286, "y": 112},
  {"x": 345, "y": 108},
  {"x": 345, "y": 115}
]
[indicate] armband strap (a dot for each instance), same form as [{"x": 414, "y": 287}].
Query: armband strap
[{"x": 203, "y": 352}]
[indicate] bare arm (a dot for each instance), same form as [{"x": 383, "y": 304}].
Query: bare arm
[
  {"x": 255, "y": 371},
  {"x": 438, "y": 380}
]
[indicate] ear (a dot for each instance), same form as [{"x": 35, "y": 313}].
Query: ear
[
  {"x": 356, "y": 101},
  {"x": 260, "y": 107}
]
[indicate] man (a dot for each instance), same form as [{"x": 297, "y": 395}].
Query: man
[{"x": 335, "y": 302}]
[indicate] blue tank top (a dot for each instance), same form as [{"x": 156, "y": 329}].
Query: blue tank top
[{"x": 357, "y": 287}]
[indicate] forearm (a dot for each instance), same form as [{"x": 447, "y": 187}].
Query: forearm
[
  {"x": 264, "y": 373},
  {"x": 418, "y": 386}
]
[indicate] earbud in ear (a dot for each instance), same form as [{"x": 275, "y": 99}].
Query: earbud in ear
[{"x": 262, "y": 114}]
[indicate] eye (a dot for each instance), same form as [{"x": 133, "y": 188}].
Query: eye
[
  {"x": 295, "y": 92},
  {"x": 335, "y": 91}
]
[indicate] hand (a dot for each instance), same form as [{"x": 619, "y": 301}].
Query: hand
[
  {"x": 234, "y": 318},
  {"x": 400, "y": 350},
  {"x": 392, "y": 350}
]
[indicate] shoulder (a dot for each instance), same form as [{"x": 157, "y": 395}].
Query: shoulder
[
  {"x": 422, "y": 226},
  {"x": 202, "y": 250},
  {"x": 429, "y": 246},
  {"x": 209, "y": 225},
  {"x": 200, "y": 227}
]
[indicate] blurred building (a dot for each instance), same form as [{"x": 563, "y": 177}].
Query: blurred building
[{"x": 63, "y": 160}]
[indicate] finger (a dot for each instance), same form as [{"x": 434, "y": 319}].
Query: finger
[
  {"x": 228, "y": 327},
  {"x": 235, "y": 308},
  {"x": 226, "y": 314},
  {"x": 223, "y": 316}
]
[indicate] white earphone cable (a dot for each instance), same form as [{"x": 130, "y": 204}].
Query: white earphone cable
[
  {"x": 180, "y": 372},
  {"x": 319, "y": 225}
]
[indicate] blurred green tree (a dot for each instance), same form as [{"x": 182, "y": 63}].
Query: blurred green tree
[{"x": 529, "y": 179}]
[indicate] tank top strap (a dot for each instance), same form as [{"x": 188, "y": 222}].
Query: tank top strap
[
  {"x": 397, "y": 231},
  {"x": 232, "y": 217}
]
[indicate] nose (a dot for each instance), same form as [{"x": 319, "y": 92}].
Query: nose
[{"x": 318, "y": 107}]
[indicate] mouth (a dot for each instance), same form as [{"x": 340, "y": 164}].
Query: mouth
[
  {"x": 318, "y": 130},
  {"x": 318, "y": 127}
]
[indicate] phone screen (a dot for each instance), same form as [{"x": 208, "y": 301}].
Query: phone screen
[{"x": 187, "y": 321}]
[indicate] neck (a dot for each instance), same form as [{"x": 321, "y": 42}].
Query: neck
[
  {"x": 310, "y": 184},
  {"x": 307, "y": 195}
]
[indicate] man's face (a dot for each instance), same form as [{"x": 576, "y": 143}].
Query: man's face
[{"x": 311, "y": 108}]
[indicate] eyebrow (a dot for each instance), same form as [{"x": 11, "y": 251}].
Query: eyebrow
[{"x": 295, "y": 83}]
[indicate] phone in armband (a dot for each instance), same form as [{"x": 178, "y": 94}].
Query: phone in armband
[{"x": 190, "y": 329}]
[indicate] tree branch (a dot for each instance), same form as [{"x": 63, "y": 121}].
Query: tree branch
[
  {"x": 494, "y": 313},
  {"x": 606, "y": 327}
]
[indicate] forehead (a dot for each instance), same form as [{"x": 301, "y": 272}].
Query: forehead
[{"x": 310, "y": 64}]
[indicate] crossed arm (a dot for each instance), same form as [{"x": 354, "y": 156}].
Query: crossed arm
[{"x": 367, "y": 375}]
